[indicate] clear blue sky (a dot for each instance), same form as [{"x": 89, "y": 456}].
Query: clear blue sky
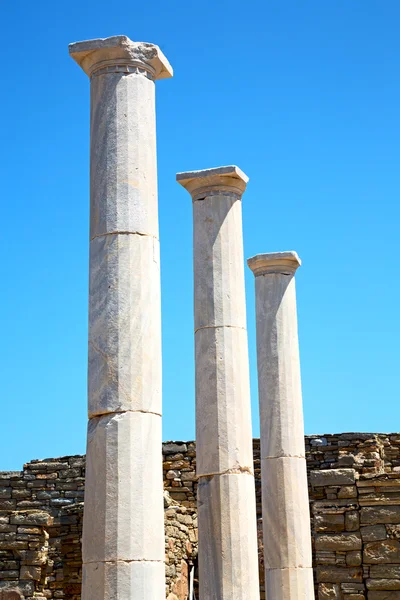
[{"x": 305, "y": 98}]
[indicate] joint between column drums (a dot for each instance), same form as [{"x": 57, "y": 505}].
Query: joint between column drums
[
  {"x": 122, "y": 412},
  {"x": 233, "y": 471},
  {"x": 123, "y": 233},
  {"x": 219, "y": 327},
  {"x": 123, "y": 560},
  {"x": 299, "y": 456}
]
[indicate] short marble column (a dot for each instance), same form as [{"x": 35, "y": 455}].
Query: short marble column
[
  {"x": 123, "y": 528},
  {"x": 286, "y": 518},
  {"x": 228, "y": 559}
]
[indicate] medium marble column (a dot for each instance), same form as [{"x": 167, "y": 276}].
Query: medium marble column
[
  {"x": 123, "y": 528},
  {"x": 286, "y": 518},
  {"x": 228, "y": 559}
]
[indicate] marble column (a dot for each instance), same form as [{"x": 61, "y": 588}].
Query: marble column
[
  {"x": 228, "y": 559},
  {"x": 286, "y": 518},
  {"x": 123, "y": 528}
]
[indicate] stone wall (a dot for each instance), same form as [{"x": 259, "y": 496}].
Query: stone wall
[{"x": 354, "y": 485}]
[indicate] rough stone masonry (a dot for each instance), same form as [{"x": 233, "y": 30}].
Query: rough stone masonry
[{"x": 354, "y": 488}]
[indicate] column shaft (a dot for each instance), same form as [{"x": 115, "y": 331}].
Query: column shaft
[
  {"x": 123, "y": 528},
  {"x": 228, "y": 558},
  {"x": 286, "y": 518}
]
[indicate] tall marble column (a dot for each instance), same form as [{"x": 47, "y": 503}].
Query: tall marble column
[
  {"x": 228, "y": 559},
  {"x": 123, "y": 528},
  {"x": 286, "y": 519}
]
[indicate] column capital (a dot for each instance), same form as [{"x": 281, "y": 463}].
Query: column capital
[
  {"x": 285, "y": 263},
  {"x": 118, "y": 54},
  {"x": 209, "y": 182}
]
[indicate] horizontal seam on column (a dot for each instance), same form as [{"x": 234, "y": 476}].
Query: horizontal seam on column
[
  {"x": 123, "y": 233},
  {"x": 219, "y": 327},
  {"x": 234, "y": 471},
  {"x": 122, "y": 412},
  {"x": 283, "y": 456},
  {"x": 273, "y": 273},
  {"x": 125, "y": 560},
  {"x": 208, "y": 195},
  {"x": 287, "y": 568}
]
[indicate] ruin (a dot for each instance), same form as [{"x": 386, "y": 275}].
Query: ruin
[
  {"x": 354, "y": 488},
  {"x": 228, "y": 565},
  {"x": 123, "y": 537},
  {"x": 235, "y": 521}
]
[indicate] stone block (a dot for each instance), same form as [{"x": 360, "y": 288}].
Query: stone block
[
  {"x": 219, "y": 292},
  {"x": 34, "y": 517},
  {"x": 347, "y": 491},
  {"x": 281, "y": 410},
  {"x": 373, "y": 533},
  {"x": 383, "y": 584},
  {"x": 124, "y": 325},
  {"x": 174, "y": 448},
  {"x": 386, "y": 595},
  {"x": 31, "y": 572},
  {"x": 385, "y": 571},
  {"x": 223, "y": 418},
  {"x": 123, "y": 150},
  {"x": 328, "y": 591},
  {"x": 325, "y": 477},
  {"x": 329, "y": 522},
  {"x": 353, "y": 558},
  {"x": 338, "y": 541},
  {"x": 352, "y": 520},
  {"x": 227, "y": 528},
  {"x": 115, "y": 581},
  {"x": 333, "y": 574},
  {"x": 371, "y": 515},
  {"x": 286, "y": 519},
  {"x": 289, "y": 583},
  {"x": 124, "y": 495},
  {"x": 387, "y": 551}
]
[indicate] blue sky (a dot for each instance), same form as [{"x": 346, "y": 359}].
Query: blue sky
[{"x": 304, "y": 97}]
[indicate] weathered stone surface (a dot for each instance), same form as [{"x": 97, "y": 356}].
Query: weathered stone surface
[
  {"x": 285, "y": 514},
  {"x": 174, "y": 448},
  {"x": 381, "y": 514},
  {"x": 123, "y": 519},
  {"x": 223, "y": 419},
  {"x": 219, "y": 294},
  {"x": 114, "y": 581},
  {"x": 289, "y": 583},
  {"x": 124, "y": 496},
  {"x": 281, "y": 410},
  {"x": 373, "y": 595},
  {"x": 373, "y": 533},
  {"x": 352, "y": 520},
  {"x": 385, "y": 571},
  {"x": 227, "y": 530},
  {"x": 338, "y": 541},
  {"x": 329, "y": 522},
  {"x": 326, "y": 477},
  {"x": 333, "y": 574},
  {"x": 124, "y": 325},
  {"x": 383, "y": 584},
  {"x": 228, "y": 564},
  {"x": 286, "y": 529},
  {"x": 89, "y": 53},
  {"x": 328, "y": 591},
  {"x": 387, "y": 551},
  {"x": 353, "y": 558}
]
